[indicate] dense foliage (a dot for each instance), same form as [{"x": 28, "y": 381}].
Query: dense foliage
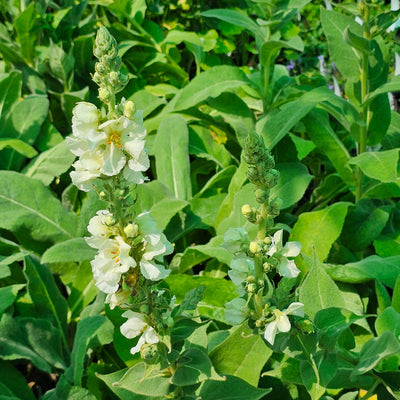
[{"x": 272, "y": 125}]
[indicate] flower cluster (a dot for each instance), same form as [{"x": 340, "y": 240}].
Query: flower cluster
[{"x": 106, "y": 149}]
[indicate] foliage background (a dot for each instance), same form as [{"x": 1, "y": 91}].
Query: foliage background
[{"x": 204, "y": 79}]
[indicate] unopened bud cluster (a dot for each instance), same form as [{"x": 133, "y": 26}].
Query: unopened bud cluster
[{"x": 107, "y": 75}]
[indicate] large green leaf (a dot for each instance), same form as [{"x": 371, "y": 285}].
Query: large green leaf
[
  {"x": 35, "y": 109},
  {"x": 375, "y": 350},
  {"x": 341, "y": 53},
  {"x": 363, "y": 224},
  {"x": 392, "y": 86},
  {"x": 323, "y": 136},
  {"x": 46, "y": 297},
  {"x": 292, "y": 184},
  {"x": 238, "y": 18},
  {"x": 388, "y": 320},
  {"x": 379, "y": 165},
  {"x": 10, "y": 90},
  {"x": 232, "y": 388},
  {"x": 8, "y": 294},
  {"x": 210, "y": 83},
  {"x": 87, "y": 329},
  {"x": 19, "y": 146},
  {"x": 50, "y": 163},
  {"x": 319, "y": 291},
  {"x": 73, "y": 250},
  {"x": 241, "y": 354},
  {"x": 26, "y": 204},
  {"x": 24, "y": 24},
  {"x": 217, "y": 292},
  {"x": 171, "y": 149},
  {"x": 385, "y": 270},
  {"x": 15, "y": 382},
  {"x": 319, "y": 229}
]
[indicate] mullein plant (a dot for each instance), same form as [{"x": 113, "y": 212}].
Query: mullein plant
[
  {"x": 112, "y": 159},
  {"x": 262, "y": 269}
]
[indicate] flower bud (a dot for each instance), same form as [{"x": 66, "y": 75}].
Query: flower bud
[
  {"x": 254, "y": 247},
  {"x": 149, "y": 353},
  {"x": 262, "y": 195},
  {"x": 109, "y": 220},
  {"x": 100, "y": 68},
  {"x": 105, "y": 95},
  {"x": 260, "y": 323},
  {"x": 113, "y": 78},
  {"x": 276, "y": 203},
  {"x": 129, "y": 109},
  {"x": 266, "y": 267},
  {"x": 267, "y": 240},
  {"x": 131, "y": 230},
  {"x": 270, "y": 179},
  {"x": 250, "y": 213},
  {"x": 252, "y": 288}
]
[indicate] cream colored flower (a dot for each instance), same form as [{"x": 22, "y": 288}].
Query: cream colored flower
[
  {"x": 281, "y": 322},
  {"x": 135, "y": 326}
]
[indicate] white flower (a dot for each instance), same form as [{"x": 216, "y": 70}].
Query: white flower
[
  {"x": 286, "y": 268},
  {"x": 153, "y": 270},
  {"x": 236, "y": 311},
  {"x": 87, "y": 168},
  {"x": 135, "y": 326},
  {"x": 281, "y": 322},
  {"x": 101, "y": 229},
  {"x": 112, "y": 261},
  {"x": 241, "y": 268},
  {"x": 118, "y": 299}
]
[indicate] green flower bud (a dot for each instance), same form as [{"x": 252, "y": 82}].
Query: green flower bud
[
  {"x": 149, "y": 353},
  {"x": 262, "y": 195},
  {"x": 104, "y": 42},
  {"x": 276, "y": 203},
  {"x": 100, "y": 68},
  {"x": 131, "y": 230},
  {"x": 270, "y": 179},
  {"x": 250, "y": 279},
  {"x": 114, "y": 78},
  {"x": 260, "y": 323},
  {"x": 105, "y": 95},
  {"x": 144, "y": 309},
  {"x": 305, "y": 325},
  {"x": 273, "y": 261},
  {"x": 255, "y": 247},
  {"x": 129, "y": 109},
  {"x": 267, "y": 240},
  {"x": 249, "y": 213},
  {"x": 252, "y": 288},
  {"x": 266, "y": 267},
  {"x": 254, "y": 148},
  {"x": 110, "y": 220},
  {"x": 253, "y": 175}
]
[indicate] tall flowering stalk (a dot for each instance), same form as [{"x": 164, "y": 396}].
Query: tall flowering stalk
[
  {"x": 112, "y": 158},
  {"x": 258, "y": 264}
]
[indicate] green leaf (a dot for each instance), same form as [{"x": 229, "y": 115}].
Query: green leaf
[
  {"x": 19, "y": 146},
  {"x": 320, "y": 229},
  {"x": 380, "y": 165},
  {"x": 153, "y": 385},
  {"x": 236, "y": 18},
  {"x": 24, "y": 24},
  {"x": 15, "y": 381},
  {"x": 341, "y": 53},
  {"x": 8, "y": 294},
  {"x": 388, "y": 320},
  {"x": 171, "y": 149},
  {"x": 275, "y": 125},
  {"x": 15, "y": 345},
  {"x": 73, "y": 250},
  {"x": 210, "y": 83},
  {"x": 235, "y": 112},
  {"x": 232, "y": 388},
  {"x": 35, "y": 109},
  {"x": 217, "y": 292},
  {"x": 87, "y": 329},
  {"x": 385, "y": 270},
  {"x": 303, "y": 146},
  {"x": 363, "y": 224},
  {"x": 292, "y": 184},
  {"x": 165, "y": 209},
  {"x": 374, "y": 351},
  {"x": 193, "y": 366},
  {"x": 241, "y": 354},
  {"x": 123, "y": 394},
  {"x": 202, "y": 144},
  {"x": 319, "y": 291},
  {"x": 323, "y": 136},
  {"x": 50, "y": 163},
  {"x": 392, "y": 86},
  {"x": 46, "y": 297},
  {"x": 26, "y": 204},
  {"x": 192, "y": 298},
  {"x": 396, "y": 295},
  {"x": 61, "y": 65},
  {"x": 10, "y": 90},
  {"x": 331, "y": 323}
]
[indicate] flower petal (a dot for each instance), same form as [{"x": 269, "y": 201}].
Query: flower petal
[
  {"x": 295, "y": 308},
  {"x": 287, "y": 268},
  {"x": 270, "y": 332}
]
